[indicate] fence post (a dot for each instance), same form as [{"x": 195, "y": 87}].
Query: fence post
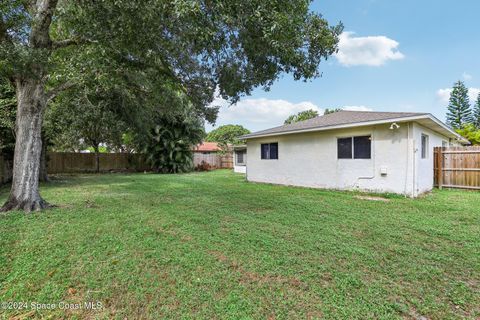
[{"x": 440, "y": 168}]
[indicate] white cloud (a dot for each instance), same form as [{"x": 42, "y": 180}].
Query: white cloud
[
  {"x": 260, "y": 114},
  {"x": 357, "y": 108},
  {"x": 370, "y": 51},
  {"x": 443, "y": 95},
  {"x": 467, "y": 76}
]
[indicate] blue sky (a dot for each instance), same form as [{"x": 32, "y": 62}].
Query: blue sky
[{"x": 394, "y": 56}]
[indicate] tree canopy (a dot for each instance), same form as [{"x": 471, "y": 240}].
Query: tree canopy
[
  {"x": 459, "y": 111},
  {"x": 227, "y": 135},
  {"x": 8, "y": 106},
  {"x": 301, "y": 116},
  {"x": 476, "y": 113},
  {"x": 470, "y": 132},
  {"x": 331, "y": 110}
]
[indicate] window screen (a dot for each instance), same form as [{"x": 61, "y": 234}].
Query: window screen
[
  {"x": 269, "y": 150},
  {"x": 240, "y": 157},
  {"x": 265, "y": 150},
  {"x": 273, "y": 150},
  {"x": 362, "y": 147},
  {"x": 424, "y": 146},
  {"x": 344, "y": 148}
]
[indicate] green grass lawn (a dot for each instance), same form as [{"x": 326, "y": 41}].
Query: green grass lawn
[{"x": 210, "y": 245}]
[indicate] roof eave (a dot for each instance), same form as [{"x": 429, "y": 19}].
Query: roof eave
[{"x": 357, "y": 124}]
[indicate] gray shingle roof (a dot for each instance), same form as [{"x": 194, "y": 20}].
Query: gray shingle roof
[{"x": 342, "y": 117}]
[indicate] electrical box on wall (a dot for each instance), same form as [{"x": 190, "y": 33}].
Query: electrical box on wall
[{"x": 383, "y": 170}]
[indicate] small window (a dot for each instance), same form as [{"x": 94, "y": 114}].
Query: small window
[
  {"x": 444, "y": 144},
  {"x": 344, "y": 148},
  {"x": 424, "y": 146},
  {"x": 269, "y": 151},
  {"x": 240, "y": 157},
  {"x": 354, "y": 147}
]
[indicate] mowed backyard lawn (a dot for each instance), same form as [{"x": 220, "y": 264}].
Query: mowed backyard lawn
[{"x": 210, "y": 245}]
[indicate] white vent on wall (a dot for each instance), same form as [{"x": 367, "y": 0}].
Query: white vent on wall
[{"x": 383, "y": 170}]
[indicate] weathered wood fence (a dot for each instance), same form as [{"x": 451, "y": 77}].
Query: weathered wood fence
[
  {"x": 457, "y": 167},
  {"x": 216, "y": 160},
  {"x": 70, "y": 162},
  {"x": 66, "y": 162}
]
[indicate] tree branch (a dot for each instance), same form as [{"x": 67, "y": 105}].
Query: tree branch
[
  {"x": 70, "y": 42},
  {"x": 58, "y": 89},
  {"x": 40, "y": 35},
  {"x": 64, "y": 43}
]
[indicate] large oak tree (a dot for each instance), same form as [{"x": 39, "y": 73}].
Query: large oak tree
[{"x": 193, "y": 46}]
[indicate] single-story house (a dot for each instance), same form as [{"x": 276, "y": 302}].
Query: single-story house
[{"x": 351, "y": 150}]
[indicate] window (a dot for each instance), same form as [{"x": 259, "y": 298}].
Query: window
[
  {"x": 240, "y": 157},
  {"x": 444, "y": 144},
  {"x": 424, "y": 146},
  {"x": 344, "y": 148},
  {"x": 362, "y": 147},
  {"x": 354, "y": 147},
  {"x": 269, "y": 151}
]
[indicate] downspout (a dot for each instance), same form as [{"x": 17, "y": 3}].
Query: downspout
[
  {"x": 414, "y": 168},
  {"x": 408, "y": 159}
]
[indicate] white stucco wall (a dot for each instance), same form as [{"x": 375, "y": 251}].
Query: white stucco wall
[
  {"x": 424, "y": 167},
  {"x": 240, "y": 169},
  {"x": 310, "y": 160}
]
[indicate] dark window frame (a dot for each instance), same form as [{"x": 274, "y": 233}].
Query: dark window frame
[
  {"x": 354, "y": 154},
  {"x": 424, "y": 146},
  {"x": 266, "y": 151},
  {"x": 243, "y": 153}
]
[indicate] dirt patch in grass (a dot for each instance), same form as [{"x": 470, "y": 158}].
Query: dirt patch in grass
[{"x": 372, "y": 198}]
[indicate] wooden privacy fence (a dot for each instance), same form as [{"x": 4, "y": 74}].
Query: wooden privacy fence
[
  {"x": 216, "y": 160},
  {"x": 65, "y": 162},
  {"x": 457, "y": 167},
  {"x": 71, "y": 162}
]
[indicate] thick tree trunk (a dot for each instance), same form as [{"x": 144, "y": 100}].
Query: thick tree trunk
[
  {"x": 43, "y": 162},
  {"x": 31, "y": 101}
]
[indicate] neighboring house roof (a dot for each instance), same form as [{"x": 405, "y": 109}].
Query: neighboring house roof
[
  {"x": 207, "y": 147},
  {"x": 347, "y": 119}
]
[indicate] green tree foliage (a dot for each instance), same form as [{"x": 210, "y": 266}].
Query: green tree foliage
[
  {"x": 190, "y": 46},
  {"x": 8, "y": 106},
  {"x": 459, "y": 111},
  {"x": 471, "y": 133},
  {"x": 476, "y": 113},
  {"x": 332, "y": 110},
  {"x": 84, "y": 119},
  {"x": 169, "y": 149},
  {"x": 85, "y": 122},
  {"x": 227, "y": 135},
  {"x": 301, "y": 116},
  {"x": 197, "y": 46}
]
